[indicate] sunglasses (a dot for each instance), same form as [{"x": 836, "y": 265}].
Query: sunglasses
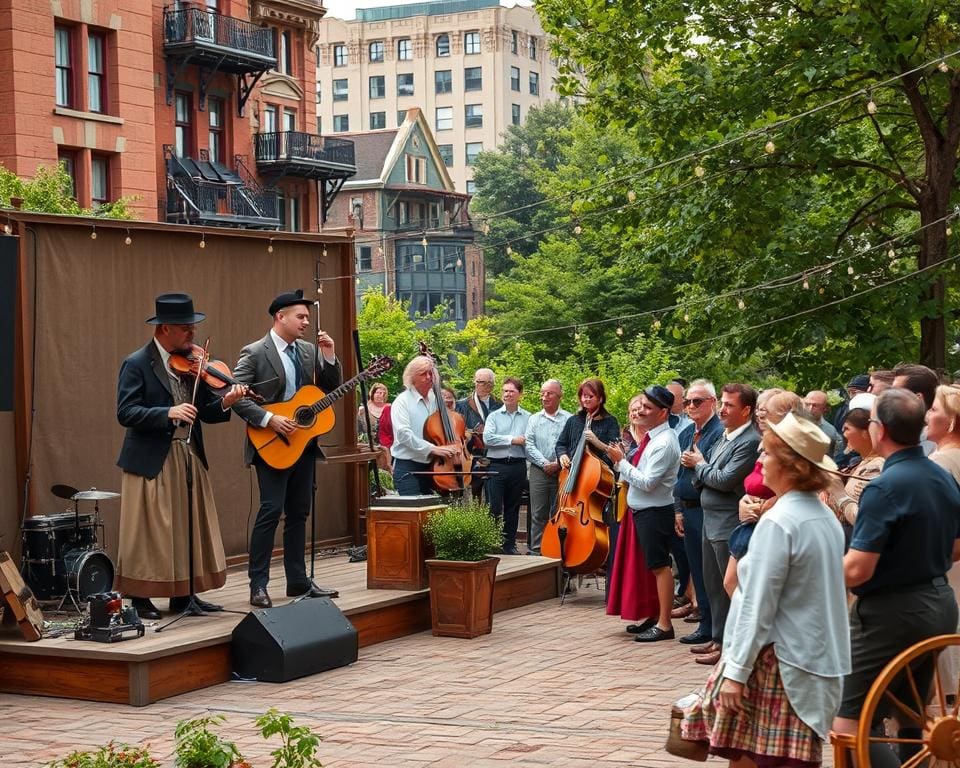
[{"x": 696, "y": 402}]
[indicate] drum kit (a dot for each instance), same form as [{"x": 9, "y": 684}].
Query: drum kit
[{"x": 63, "y": 558}]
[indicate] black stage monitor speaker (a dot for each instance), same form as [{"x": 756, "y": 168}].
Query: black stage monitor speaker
[{"x": 302, "y": 638}]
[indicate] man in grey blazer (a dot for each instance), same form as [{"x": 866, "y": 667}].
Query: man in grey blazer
[
  {"x": 276, "y": 366},
  {"x": 720, "y": 479}
]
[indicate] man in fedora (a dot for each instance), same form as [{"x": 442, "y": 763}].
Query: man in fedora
[
  {"x": 163, "y": 436},
  {"x": 283, "y": 362}
]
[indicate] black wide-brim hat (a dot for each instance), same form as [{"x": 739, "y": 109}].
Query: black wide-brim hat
[
  {"x": 287, "y": 299},
  {"x": 175, "y": 309}
]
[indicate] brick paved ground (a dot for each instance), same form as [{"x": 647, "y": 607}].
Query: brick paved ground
[{"x": 552, "y": 686}]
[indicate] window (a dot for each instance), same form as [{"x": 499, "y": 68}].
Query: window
[
  {"x": 96, "y": 92},
  {"x": 444, "y": 119},
  {"x": 405, "y": 49},
  {"x": 341, "y": 123},
  {"x": 339, "y": 55},
  {"x": 378, "y": 87},
  {"x": 378, "y": 120},
  {"x": 401, "y": 116},
  {"x": 446, "y": 154},
  {"x": 376, "y": 51},
  {"x": 99, "y": 180},
  {"x": 341, "y": 90},
  {"x": 514, "y": 42},
  {"x": 471, "y": 42},
  {"x": 473, "y": 116},
  {"x": 215, "y": 133},
  {"x": 474, "y": 148},
  {"x": 532, "y": 47},
  {"x": 473, "y": 79},
  {"x": 515, "y": 79},
  {"x": 515, "y": 114},
  {"x": 69, "y": 162},
  {"x": 416, "y": 169},
  {"x": 183, "y": 112},
  {"x": 63, "y": 59},
  {"x": 405, "y": 84},
  {"x": 289, "y": 119},
  {"x": 285, "y": 52},
  {"x": 534, "y": 84},
  {"x": 269, "y": 119},
  {"x": 443, "y": 81},
  {"x": 365, "y": 262},
  {"x": 443, "y": 45},
  {"x": 471, "y": 187}
]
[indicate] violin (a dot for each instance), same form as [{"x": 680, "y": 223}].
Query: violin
[
  {"x": 576, "y": 533},
  {"x": 214, "y": 373},
  {"x": 447, "y": 427}
]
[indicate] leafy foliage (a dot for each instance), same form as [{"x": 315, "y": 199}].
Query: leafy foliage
[
  {"x": 465, "y": 531},
  {"x": 198, "y": 747},
  {"x": 110, "y": 755},
  {"x": 298, "y": 743},
  {"x": 49, "y": 191}
]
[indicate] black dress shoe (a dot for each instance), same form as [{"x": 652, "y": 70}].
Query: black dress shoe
[
  {"x": 643, "y": 626},
  {"x": 145, "y": 608},
  {"x": 260, "y": 599},
  {"x": 695, "y": 638},
  {"x": 655, "y": 634},
  {"x": 180, "y": 603},
  {"x": 311, "y": 590},
  {"x": 208, "y": 607},
  {"x": 511, "y": 550}
]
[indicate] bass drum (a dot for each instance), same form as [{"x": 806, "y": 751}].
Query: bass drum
[{"x": 89, "y": 572}]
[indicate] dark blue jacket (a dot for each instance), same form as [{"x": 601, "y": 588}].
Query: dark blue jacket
[{"x": 711, "y": 432}]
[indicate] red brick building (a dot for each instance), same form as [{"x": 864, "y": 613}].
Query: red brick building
[{"x": 204, "y": 111}]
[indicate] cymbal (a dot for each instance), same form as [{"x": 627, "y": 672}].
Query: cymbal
[
  {"x": 94, "y": 495},
  {"x": 63, "y": 491}
]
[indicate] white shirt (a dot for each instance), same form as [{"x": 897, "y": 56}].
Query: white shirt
[
  {"x": 502, "y": 426},
  {"x": 543, "y": 429},
  {"x": 289, "y": 371},
  {"x": 650, "y": 483},
  {"x": 727, "y": 435},
  {"x": 408, "y": 414}
]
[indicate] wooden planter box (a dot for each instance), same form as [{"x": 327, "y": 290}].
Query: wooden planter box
[
  {"x": 396, "y": 548},
  {"x": 461, "y": 597}
]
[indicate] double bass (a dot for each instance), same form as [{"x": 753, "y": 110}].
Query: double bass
[
  {"x": 446, "y": 427},
  {"x": 576, "y": 533}
]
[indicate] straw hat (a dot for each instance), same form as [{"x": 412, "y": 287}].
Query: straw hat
[{"x": 805, "y": 438}]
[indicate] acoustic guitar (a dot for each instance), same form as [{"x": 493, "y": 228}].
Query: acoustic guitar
[{"x": 310, "y": 408}]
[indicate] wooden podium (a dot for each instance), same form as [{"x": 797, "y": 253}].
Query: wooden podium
[{"x": 396, "y": 549}]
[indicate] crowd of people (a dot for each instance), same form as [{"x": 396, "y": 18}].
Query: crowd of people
[{"x": 758, "y": 519}]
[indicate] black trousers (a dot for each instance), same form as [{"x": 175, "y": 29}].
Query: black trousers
[
  {"x": 284, "y": 492},
  {"x": 504, "y": 491}
]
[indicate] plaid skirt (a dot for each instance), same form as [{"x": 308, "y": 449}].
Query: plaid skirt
[{"x": 766, "y": 730}]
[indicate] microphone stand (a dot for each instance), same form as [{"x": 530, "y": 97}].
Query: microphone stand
[{"x": 366, "y": 413}]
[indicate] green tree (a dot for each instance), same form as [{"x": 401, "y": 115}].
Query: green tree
[
  {"x": 684, "y": 78},
  {"x": 49, "y": 191}
]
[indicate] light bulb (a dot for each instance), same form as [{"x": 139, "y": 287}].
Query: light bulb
[
  {"x": 699, "y": 171},
  {"x": 203, "y": 241},
  {"x": 486, "y": 227},
  {"x": 576, "y": 336},
  {"x": 942, "y": 66},
  {"x": 741, "y": 304},
  {"x": 509, "y": 250},
  {"x": 820, "y": 290},
  {"x": 850, "y": 270},
  {"x": 872, "y": 106},
  {"x": 424, "y": 241},
  {"x": 892, "y": 254},
  {"x": 324, "y": 254},
  {"x": 270, "y": 246},
  {"x": 619, "y": 330},
  {"x": 770, "y": 147},
  {"x": 577, "y": 229},
  {"x": 686, "y": 317},
  {"x": 631, "y": 195},
  {"x": 93, "y": 235},
  {"x": 656, "y": 324},
  {"x": 7, "y": 229},
  {"x": 127, "y": 240},
  {"x": 806, "y": 284}
]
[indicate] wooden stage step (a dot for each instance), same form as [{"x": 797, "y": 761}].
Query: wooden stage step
[{"x": 195, "y": 652}]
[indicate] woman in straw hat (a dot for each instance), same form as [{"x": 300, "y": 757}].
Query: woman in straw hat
[{"x": 771, "y": 698}]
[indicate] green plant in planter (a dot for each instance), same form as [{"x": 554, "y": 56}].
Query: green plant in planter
[
  {"x": 299, "y": 742},
  {"x": 108, "y": 756},
  {"x": 386, "y": 480},
  {"x": 198, "y": 747},
  {"x": 464, "y": 531}
]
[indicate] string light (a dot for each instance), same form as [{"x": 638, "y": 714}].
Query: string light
[
  {"x": 686, "y": 317},
  {"x": 93, "y": 234},
  {"x": 806, "y": 284},
  {"x": 424, "y": 241},
  {"x": 891, "y": 253},
  {"x": 656, "y": 324},
  {"x": 943, "y": 66},
  {"x": 7, "y": 229},
  {"x": 770, "y": 147},
  {"x": 741, "y": 304},
  {"x": 850, "y": 269},
  {"x": 576, "y": 335},
  {"x": 949, "y": 230},
  {"x": 324, "y": 253},
  {"x": 619, "y": 329},
  {"x": 871, "y": 105},
  {"x": 270, "y": 246},
  {"x": 699, "y": 171},
  {"x": 821, "y": 290},
  {"x": 577, "y": 229},
  {"x": 509, "y": 251},
  {"x": 631, "y": 195}
]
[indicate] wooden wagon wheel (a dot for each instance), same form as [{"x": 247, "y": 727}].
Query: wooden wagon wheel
[{"x": 937, "y": 719}]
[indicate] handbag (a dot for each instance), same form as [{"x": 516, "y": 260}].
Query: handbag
[{"x": 681, "y": 747}]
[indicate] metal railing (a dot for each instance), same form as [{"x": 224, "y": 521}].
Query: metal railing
[
  {"x": 188, "y": 25},
  {"x": 200, "y": 199},
  {"x": 300, "y": 146}
]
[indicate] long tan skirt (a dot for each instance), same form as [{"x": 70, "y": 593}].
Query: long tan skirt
[{"x": 153, "y": 557}]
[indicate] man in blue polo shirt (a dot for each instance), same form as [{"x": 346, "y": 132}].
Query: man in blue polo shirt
[{"x": 905, "y": 539}]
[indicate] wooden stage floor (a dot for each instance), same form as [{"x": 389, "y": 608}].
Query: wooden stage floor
[{"x": 195, "y": 652}]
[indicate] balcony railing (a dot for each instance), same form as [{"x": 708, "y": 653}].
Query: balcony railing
[
  {"x": 305, "y": 154},
  {"x": 242, "y": 43}
]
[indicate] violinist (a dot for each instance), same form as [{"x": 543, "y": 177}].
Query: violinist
[
  {"x": 156, "y": 406},
  {"x": 284, "y": 361},
  {"x": 505, "y": 436},
  {"x": 408, "y": 414}
]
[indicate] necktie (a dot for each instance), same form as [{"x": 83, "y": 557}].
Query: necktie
[
  {"x": 696, "y": 437},
  {"x": 635, "y": 459},
  {"x": 291, "y": 351}
]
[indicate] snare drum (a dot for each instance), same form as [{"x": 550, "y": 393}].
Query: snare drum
[
  {"x": 46, "y": 541},
  {"x": 89, "y": 572}
]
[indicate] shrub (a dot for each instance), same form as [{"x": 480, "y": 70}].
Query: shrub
[
  {"x": 108, "y": 756},
  {"x": 464, "y": 531},
  {"x": 299, "y": 742},
  {"x": 198, "y": 747}
]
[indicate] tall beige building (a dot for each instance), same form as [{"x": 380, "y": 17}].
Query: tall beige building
[{"x": 473, "y": 67}]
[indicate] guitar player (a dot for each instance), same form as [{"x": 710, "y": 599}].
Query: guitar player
[{"x": 284, "y": 361}]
